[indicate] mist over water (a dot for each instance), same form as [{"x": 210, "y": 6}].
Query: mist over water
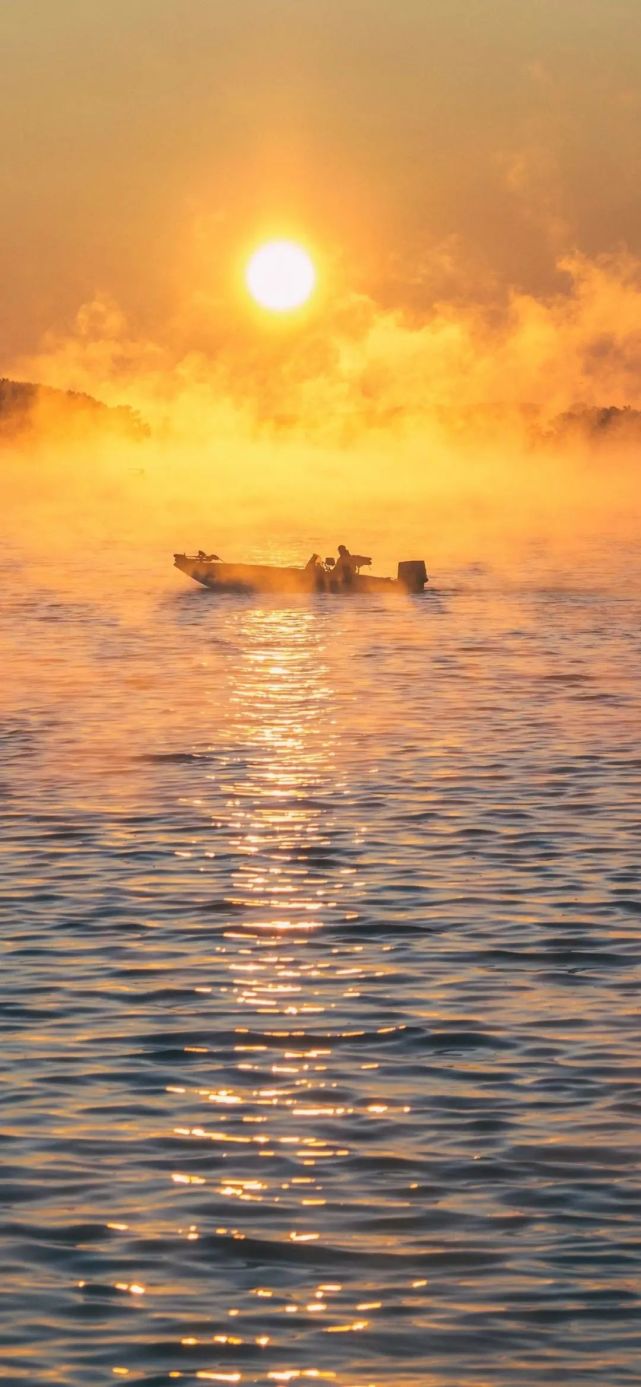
[
  {"x": 320, "y": 970},
  {"x": 320, "y": 919}
]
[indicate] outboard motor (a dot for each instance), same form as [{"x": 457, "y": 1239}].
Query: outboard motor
[{"x": 412, "y": 574}]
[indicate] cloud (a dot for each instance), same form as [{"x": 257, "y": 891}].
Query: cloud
[
  {"x": 359, "y": 410},
  {"x": 356, "y": 366}
]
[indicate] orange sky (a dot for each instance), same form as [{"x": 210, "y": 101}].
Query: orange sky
[{"x": 426, "y": 148}]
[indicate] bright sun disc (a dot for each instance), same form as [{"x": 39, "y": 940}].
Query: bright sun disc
[{"x": 280, "y": 276}]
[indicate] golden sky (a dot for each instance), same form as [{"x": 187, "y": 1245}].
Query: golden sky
[{"x": 423, "y": 149}]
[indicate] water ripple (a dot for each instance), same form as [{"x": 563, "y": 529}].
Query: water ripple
[{"x": 320, "y": 990}]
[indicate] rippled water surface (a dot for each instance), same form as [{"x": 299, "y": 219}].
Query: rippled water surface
[{"x": 320, "y": 982}]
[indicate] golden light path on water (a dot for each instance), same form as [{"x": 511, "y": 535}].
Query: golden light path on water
[
  {"x": 320, "y": 986},
  {"x": 282, "y": 827}
]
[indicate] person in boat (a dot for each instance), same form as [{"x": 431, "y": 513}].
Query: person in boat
[
  {"x": 316, "y": 571},
  {"x": 344, "y": 568}
]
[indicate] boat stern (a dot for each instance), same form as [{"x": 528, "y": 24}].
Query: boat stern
[{"x": 412, "y": 575}]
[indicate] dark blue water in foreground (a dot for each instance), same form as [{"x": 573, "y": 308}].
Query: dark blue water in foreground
[{"x": 321, "y": 956}]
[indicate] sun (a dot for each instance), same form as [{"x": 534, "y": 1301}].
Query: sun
[{"x": 280, "y": 276}]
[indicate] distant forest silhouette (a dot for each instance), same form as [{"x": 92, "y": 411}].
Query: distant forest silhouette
[{"x": 25, "y": 407}]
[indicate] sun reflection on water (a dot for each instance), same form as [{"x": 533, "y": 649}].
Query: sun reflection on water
[{"x": 280, "y": 803}]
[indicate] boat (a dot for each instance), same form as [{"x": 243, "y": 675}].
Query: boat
[{"x": 213, "y": 573}]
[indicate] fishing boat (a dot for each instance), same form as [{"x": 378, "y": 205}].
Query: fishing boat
[{"x": 213, "y": 573}]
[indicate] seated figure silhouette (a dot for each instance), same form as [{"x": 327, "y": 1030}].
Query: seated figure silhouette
[{"x": 316, "y": 571}]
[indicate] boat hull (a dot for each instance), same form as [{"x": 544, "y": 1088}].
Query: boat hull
[{"x": 245, "y": 577}]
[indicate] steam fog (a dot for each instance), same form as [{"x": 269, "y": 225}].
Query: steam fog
[{"x": 460, "y": 435}]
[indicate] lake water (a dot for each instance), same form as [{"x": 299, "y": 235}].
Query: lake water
[{"x": 320, "y": 981}]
